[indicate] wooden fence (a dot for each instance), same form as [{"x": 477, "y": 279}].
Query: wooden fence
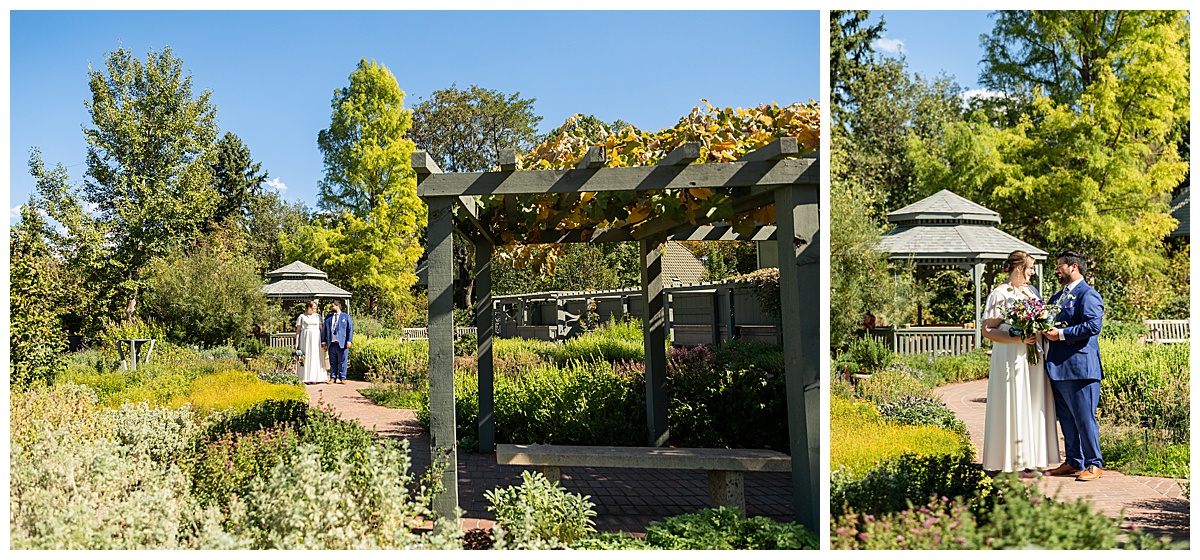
[{"x": 938, "y": 341}]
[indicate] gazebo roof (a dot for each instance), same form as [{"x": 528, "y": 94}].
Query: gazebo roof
[
  {"x": 301, "y": 281},
  {"x": 944, "y": 207},
  {"x": 1181, "y": 210},
  {"x": 297, "y": 269},
  {"x": 945, "y": 229}
]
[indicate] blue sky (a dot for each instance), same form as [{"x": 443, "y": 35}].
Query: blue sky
[
  {"x": 934, "y": 42},
  {"x": 272, "y": 74}
]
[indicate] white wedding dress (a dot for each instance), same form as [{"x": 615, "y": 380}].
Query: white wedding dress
[
  {"x": 313, "y": 369},
  {"x": 1019, "y": 423}
]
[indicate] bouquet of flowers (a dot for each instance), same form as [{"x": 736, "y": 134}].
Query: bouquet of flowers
[
  {"x": 298, "y": 357},
  {"x": 1027, "y": 316}
]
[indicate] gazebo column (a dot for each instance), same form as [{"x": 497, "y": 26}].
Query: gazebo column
[
  {"x": 485, "y": 326},
  {"x": 441, "y": 350},
  {"x": 977, "y": 278},
  {"x": 797, "y": 234},
  {"x": 654, "y": 335},
  {"x": 1037, "y": 269}
]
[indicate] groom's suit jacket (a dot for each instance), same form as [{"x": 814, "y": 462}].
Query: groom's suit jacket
[
  {"x": 1076, "y": 355},
  {"x": 338, "y": 327}
]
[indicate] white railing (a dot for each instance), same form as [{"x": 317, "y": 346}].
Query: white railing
[
  {"x": 423, "y": 333},
  {"x": 1165, "y": 331},
  {"x": 283, "y": 340},
  {"x": 938, "y": 341}
]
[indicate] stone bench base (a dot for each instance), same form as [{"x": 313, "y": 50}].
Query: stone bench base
[{"x": 726, "y": 467}]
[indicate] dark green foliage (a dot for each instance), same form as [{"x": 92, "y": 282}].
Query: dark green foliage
[
  {"x": 390, "y": 361},
  {"x": 464, "y": 130},
  {"x": 225, "y": 465},
  {"x": 267, "y": 414},
  {"x": 918, "y": 411},
  {"x": 540, "y": 513},
  {"x": 907, "y": 479},
  {"x": 1114, "y": 329},
  {"x": 237, "y": 177},
  {"x": 465, "y": 346},
  {"x": 850, "y": 50},
  {"x": 869, "y": 354},
  {"x": 611, "y": 541},
  {"x": 705, "y": 386},
  {"x": 205, "y": 295},
  {"x": 728, "y": 529},
  {"x": 36, "y": 337}
]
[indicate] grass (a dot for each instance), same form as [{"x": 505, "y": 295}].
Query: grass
[
  {"x": 393, "y": 397},
  {"x": 860, "y": 438},
  {"x": 1145, "y": 452}
]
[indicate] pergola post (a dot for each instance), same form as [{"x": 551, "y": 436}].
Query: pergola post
[
  {"x": 797, "y": 232},
  {"x": 441, "y": 349},
  {"x": 977, "y": 278},
  {"x": 654, "y": 334},
  {"x": 485, "y": 326}
]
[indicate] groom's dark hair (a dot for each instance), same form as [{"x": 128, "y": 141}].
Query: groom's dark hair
[{"x": 1076, "y": 258}]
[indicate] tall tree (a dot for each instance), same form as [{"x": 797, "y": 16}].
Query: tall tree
[
  {"x": 466, "y": 129},
  {"x": 237, "y": 178},
  {"x": 850, "y": 53},
  {"x": 368, "y": 242},
  {"x": 36, "y": 331},
  {"x": 1093, "y": 164},
  {"x": 146, "y": 171},
  {"x": 367, "y": 156}
]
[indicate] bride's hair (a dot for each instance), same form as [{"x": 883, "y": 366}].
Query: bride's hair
[
  {"x": 1016, "y": 259},
  {"x": 310, "y": 305}
]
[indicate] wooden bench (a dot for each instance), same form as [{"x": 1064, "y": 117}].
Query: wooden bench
[
  {"x": 1166, "y": 331},
  {"x": 726, "y": 467}
]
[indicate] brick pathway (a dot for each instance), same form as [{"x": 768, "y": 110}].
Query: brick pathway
[
  {"x": 1154, "y": 503},
  {"x": 626, "y": 499}
]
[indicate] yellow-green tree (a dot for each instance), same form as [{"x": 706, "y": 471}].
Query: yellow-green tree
[
  {"x": 1092, "y": 162},
  {"x": 367, "y": 242}
]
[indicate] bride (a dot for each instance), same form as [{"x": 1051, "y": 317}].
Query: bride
[
  {"x": 308, "y": 341},
  {"x": 1019, "y": 432}
]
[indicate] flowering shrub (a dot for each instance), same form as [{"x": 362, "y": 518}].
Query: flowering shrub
[
  {"x": 236, "y": 390},
  {"x": 224, "y": 466},
  {"x": 540, "y": 514},
  {"x": 1007, "y": 515},
  {"x": 35, "y": 410}
]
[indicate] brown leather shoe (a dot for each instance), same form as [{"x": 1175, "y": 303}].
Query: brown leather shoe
[
  {"x": 1064, "y": 469},
  {"x": 331, "y": 381},
  {"x": 1091, "y": 473},
  {"x": 342, "y": 381}
]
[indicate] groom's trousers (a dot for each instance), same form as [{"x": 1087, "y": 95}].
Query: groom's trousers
[
  {"x": 338, "y": 356},
  {"x": 1075, "y": 403}
]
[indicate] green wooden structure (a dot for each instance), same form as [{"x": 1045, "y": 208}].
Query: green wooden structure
[{"x": 770, "y": 175}]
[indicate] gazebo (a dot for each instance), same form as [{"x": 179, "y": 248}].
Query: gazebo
[
  {"x": 299, "y": 282},
  {"x": 948, "y": 230}
]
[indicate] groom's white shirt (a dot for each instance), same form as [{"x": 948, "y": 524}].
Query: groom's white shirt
[{"x": 1071, "y": 286}]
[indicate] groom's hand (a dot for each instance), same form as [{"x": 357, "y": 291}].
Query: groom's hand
[
  {"x": 348, "y": 344},
  {"x": 324, "y": 346},
  {"x": 1053, "y": 334}
]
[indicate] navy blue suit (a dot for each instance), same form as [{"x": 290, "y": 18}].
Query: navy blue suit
[
  {"x": 337, "y": 332},
  {"x": 1073, "y": 366}
]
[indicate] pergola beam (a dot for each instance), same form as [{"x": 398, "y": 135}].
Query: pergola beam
[
  {"x": 684, "y": 232},
  {"x": 549, "y": 181}
]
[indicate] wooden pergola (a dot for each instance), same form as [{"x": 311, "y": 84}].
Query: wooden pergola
[
  {"x": 771, "y": 175},
  {"x": 945, "y": 229}
]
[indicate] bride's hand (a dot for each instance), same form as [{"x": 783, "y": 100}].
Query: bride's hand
[{"x": 1030, "y": 339}]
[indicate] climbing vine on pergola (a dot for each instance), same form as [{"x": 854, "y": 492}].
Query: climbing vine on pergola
[{"x": 687, "y": 191}]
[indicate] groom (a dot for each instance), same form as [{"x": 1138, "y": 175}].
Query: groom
[
  {"x": 1073, "y": 365},
  {"x": 336, "y": 337}
]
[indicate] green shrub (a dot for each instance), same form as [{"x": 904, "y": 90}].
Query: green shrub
[
  {"x": 66, "y": 406},
  {"x": 614, "y": 342},
  {"x": 540, "y": 514},
  {"x": 390, "y": 361},
  {"x": 235, "y": 390},
  {"x": 163, "y": 434},
  {"x": 68, "y": 493},
  {"x": 920, "y": 411},
  {"x": 1146, "y": 381},
  {"x": 252, "y": 346},
  {"x": 727, "y": 529},
  {"x": 1007, "y": 515},
  {"x": 225, "y": 466},
  {"x": 944, "y": 370},
  {"x": 359, "y": 503},
  {"x": 612, "y": 541},
  {"x": 897, "y": 483},
  {"x": 869, "y": 354},
  {"x": 281, "y": 377},
  {"x": 467, "y": 345},
  {"x": 1122, "y": 330},
  {"x": 703, "y": 390},
  {"x": 265, "y": 414},
  {"x": 1144, "y": 451},
  {"x": 366, "y": 325},
  {"x": 892, "y": 385}
]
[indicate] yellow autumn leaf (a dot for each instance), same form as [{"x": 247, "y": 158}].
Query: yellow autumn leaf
[{"x": 702, "y": 194}]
